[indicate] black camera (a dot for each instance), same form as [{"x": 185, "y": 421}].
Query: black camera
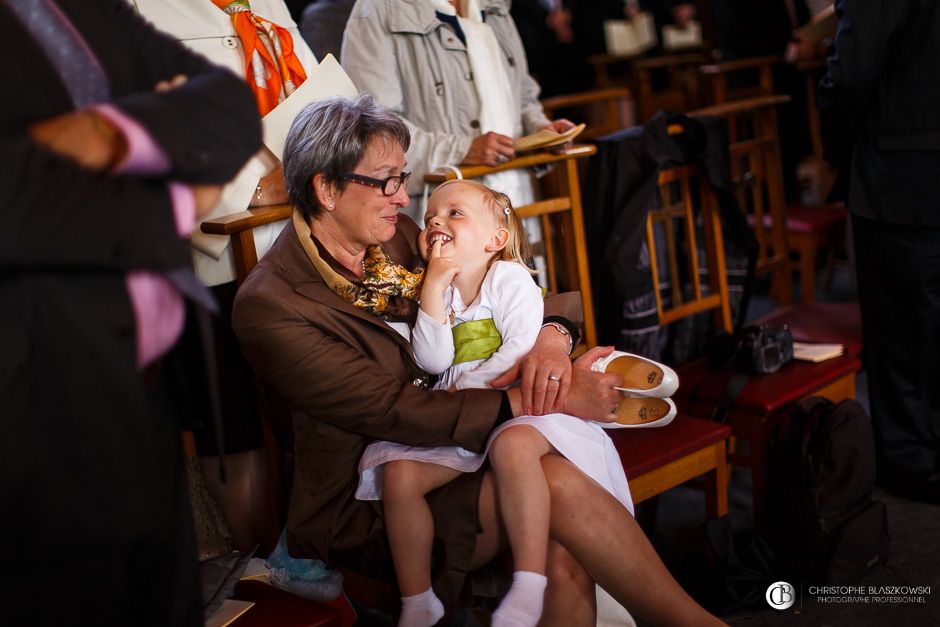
[{"x": 764, "y": 349}]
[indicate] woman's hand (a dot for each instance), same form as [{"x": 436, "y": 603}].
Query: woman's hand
[
  {"x": 546, "y": 374},
  {"x": 271, "y": 189},
  {"x": 592, "y": 394},
  {"x": 560, "y": 125},
  {"x": 490, "y": 149}
]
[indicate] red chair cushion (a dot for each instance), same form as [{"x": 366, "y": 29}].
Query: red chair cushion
[
  {"x": 830, "y": 323},
  {"x": 643, "y": 450},
  {"x": 764, "y": 395},
  {"x": 807, "y": 219},
  {"x": 273, "y": 606},
  {"x": 814, "y": 219}
]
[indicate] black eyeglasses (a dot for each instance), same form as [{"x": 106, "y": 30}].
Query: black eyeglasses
[{"x": 389, "y": 186}]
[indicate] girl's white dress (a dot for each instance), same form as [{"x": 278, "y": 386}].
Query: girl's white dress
[{"x": 512, "y": 299}]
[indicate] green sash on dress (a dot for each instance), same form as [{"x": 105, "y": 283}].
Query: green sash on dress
[{"x": 475, "y": 339}]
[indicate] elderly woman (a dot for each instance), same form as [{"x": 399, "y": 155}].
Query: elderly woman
[
  {"x": 324, "y": 318},
  {"x": 456, "y": 73}
]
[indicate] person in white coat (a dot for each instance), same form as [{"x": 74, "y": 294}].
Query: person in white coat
[
  {"x": 456, "y": 73},
  {"x": 222, "y": 31}
]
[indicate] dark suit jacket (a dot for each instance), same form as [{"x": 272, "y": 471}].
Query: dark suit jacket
[
  {"x": 350, "y": 379},
  {"x": 96, "y": 519},
  {"x": 880, "y": 109}
]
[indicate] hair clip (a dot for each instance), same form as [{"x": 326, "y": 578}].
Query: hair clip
[{"x": 507, "y": 210}]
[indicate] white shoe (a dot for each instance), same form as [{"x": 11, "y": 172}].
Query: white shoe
[
  {"x": 641, "y": 376},
  {"x": 642, "y": 412}
]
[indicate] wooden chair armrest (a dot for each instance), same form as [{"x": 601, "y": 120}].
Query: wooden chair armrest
[
  {"x": 739, "y": 64},
  {"x": 577, "y": 151},
  {"x": 734, "y": 107},
  {"x": 244, "y": 220}
]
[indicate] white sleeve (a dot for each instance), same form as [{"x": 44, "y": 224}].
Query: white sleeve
[
  {"x": 432, "y": 343},
  {"x": 517, "y": 313}
]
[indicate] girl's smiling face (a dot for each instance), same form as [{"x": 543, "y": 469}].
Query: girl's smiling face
[{"x": 460, "y": 216}]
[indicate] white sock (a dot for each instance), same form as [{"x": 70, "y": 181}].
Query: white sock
[
  {"x": 421, "y": 610},
  {"x": 522, "y": 605}
]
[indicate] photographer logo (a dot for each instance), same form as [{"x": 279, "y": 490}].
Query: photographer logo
[{"x": 780, "y": 595}]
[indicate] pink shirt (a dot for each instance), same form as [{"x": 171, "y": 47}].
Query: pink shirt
[{"x": 158, "y": 306}]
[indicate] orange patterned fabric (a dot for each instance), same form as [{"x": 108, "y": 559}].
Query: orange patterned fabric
[{"x": 272, "y": 69}]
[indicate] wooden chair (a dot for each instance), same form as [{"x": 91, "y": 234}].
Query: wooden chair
[
  {"x": 604, "y": 110},
  {"x": 756, "y": 178},
  {"x": 680, "y": 90},
  {"x": 560, "y": 216},
  {"x": 806, "y": 229},
  {"x": 716, "y": 77},
  {"x": 656, "y": 460}
]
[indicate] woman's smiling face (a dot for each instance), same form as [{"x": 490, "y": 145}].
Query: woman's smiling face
[{"x": 366, "y": 215}]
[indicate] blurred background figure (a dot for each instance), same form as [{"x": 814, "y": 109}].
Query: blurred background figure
[
  {"x": 880, "y": 121},
  {"x": 115, "y": 144}
]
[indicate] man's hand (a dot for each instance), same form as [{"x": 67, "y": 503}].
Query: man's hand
[
  {"x": 490, "y": 149},
  {"x": 559, "y": 21},
  {"x": 84, "y": 136},
  {"x": 439, "y": 275}
]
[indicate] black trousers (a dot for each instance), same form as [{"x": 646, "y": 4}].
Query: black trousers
[{"x": 899, "y": 293}]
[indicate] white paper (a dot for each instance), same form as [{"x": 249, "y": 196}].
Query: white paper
[
  {"x": 630, "y": 37},
  {"x": 816, "y": 353},
  {"x": 675, "y": 38},
  {"x": 326, "y": 80}
]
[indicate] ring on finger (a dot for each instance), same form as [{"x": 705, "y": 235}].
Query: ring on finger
[
  {"x": 554, "y": 377},
  {"x": 502, "y": 158}
]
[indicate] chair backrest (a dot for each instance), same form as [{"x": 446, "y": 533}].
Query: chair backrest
[
  {"x": 756, "y": 72},
  {"x": 756, "y": 175},
  {"x": 677, "y": 90},
  {"x": 238, "y": 226},
  {"x": 603, "y": 110},
  {"x": 684, "y": 237},
  {"x": 561, "y": 218}
]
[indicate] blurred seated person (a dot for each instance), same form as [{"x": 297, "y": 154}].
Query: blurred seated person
[
  {"x": 456, "y": 73},
  {"x": 588, "y": 20}
]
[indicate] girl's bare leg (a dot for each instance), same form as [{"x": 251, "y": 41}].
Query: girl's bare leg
[
  {"x": 571, "y": 589},
  {"x": 523, "y": 495},
  {"x": 515, "y": 456},
  {"x": 408, "y": 519},
  {"x": 603, "y": 537}
]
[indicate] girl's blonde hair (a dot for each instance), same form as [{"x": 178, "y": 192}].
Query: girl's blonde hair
[{"x": 517, "y": 246}]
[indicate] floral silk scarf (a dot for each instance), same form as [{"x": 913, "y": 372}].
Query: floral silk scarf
[
  {"x": 272, "y": 69},
  {"x": 387, "y": 289}
]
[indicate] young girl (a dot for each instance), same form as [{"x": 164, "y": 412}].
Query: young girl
[{"x": 480, "y": 313}]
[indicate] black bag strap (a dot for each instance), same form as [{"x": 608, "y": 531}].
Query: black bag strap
[{"x": 730, "y": 394}]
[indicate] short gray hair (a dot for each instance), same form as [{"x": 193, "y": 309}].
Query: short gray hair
[{"x": 330, "y": 137}]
